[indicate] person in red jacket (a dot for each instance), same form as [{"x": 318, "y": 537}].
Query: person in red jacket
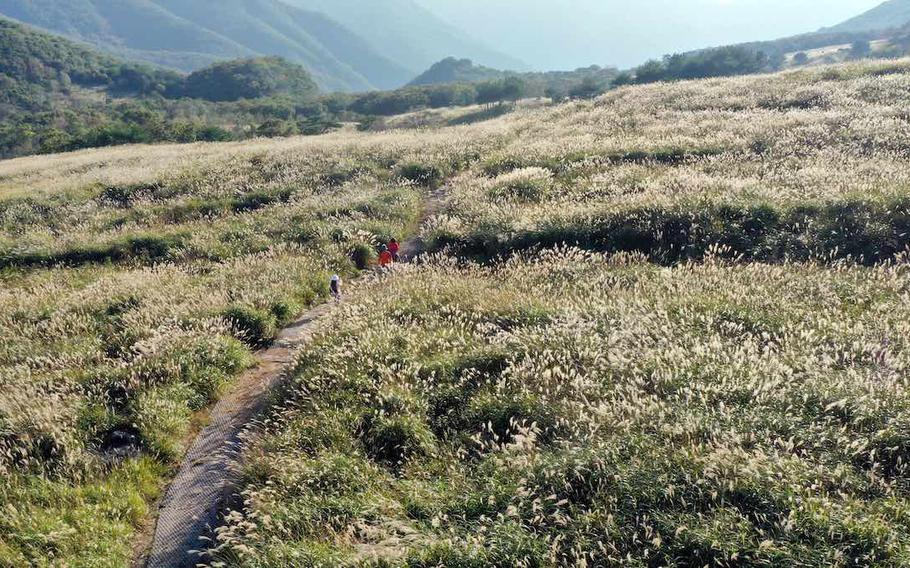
[
  {"x": 394, "y": 248},
  {"x": 385, "y": 257}
]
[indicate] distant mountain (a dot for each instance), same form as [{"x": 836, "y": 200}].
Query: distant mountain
[
  {"x": 408, "y": 34},
  {"x": 189, "y": 34},
  {"x": 58, "y": 95},
  {"x": 40, "y": 69},
  {"x": 451, "y": 70},
  {"x": 884, "y": 31},
  {"x": 890, "y": 14}
]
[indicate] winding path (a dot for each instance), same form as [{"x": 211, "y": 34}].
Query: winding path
[
  {"x": 207, "y": 476},
  {"x": 206, "y": 481}
]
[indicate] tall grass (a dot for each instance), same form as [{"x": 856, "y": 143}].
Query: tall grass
[
  {"x": 577, "y": 409},
  {"x": 794, "y": 165},
  {"x": 136, "y": 284},
  {"x": 553, "y": 408}
]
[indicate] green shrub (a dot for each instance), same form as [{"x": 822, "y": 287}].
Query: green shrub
[
  {"x": 866, "y": 232},
  {"x": 145, "y": 248},
  {"x": 118, "y": 337},
  {"x": 521, "y": 316},
  {"x": 363, "y": 256},
  {"x": 427, "y": 176},
  {"x": 161, "y": 416},
  {"x": 495, "y": 167},
  {"x": 248, "y": 79},
  {"x": 448, "y": 555},
  {"x": 500, "y": 414},
  {"x": 126, "y": 195},
  {"x": 394, "y": 439},
  {"x": 258, "y": 199},
  {"x": 522, "y": 191},
  {"x": 206, "y": 383},
  {"x": 284, "y": 311},
  {"x": 255, "y": 327},
  {"x": 455, "y": 382}
]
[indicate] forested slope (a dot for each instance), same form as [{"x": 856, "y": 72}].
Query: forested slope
[{"x": 188, "y": 35}]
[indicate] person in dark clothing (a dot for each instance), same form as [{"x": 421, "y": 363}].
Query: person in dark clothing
[{"x": 335, "y": 287}]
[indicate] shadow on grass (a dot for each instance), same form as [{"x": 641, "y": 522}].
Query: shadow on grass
[
  {"x": 481, "y": 115},
  {"x": 862, "y": 231}
]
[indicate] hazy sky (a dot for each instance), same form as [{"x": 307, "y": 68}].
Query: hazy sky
[{"x": 564, "y": 34}]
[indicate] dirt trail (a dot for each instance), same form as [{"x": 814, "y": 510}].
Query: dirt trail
[
  {"x": 207, "y": 477},
  {"x": 431, "y": 206}
]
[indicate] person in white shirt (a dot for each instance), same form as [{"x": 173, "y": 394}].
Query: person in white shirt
[{"x": 335, "y": 287}]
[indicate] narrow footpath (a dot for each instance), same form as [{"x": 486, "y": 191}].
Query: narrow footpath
[{"x": 207, "y": 478}]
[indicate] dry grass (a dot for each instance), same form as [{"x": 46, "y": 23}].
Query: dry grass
[
  {"x": 585, "y": 409},
  {"x": 135, "y": 283},
  {"x": 767, "y": 165},
  {"x": 575, "y": 409}
]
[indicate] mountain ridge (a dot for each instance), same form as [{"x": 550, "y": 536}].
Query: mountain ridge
[
  {"x": 188, "y": 35},
  {"x": 410, "y": 34},
  {"x": 887, "y": 15}
]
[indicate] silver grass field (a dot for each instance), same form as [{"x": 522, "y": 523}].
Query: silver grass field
[{"x": 667, "y": 327}]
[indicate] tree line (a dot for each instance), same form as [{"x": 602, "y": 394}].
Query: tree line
[{"x": 49, "y": 91}]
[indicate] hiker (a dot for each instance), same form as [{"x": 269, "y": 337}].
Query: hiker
[
  {"x": 385, "y": 257},
  {"x": 335, "y": 287},
  {"x": 394, "y": 248}
]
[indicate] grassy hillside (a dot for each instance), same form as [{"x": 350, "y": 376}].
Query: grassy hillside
[
  {"x": 189, "y": 35},
  {"x": 663, "y": 327},
  {"x": 59, "y": 95},
  {"x": 567, "y": 408},
  {"x": 718, "y": 388},
  {"x": 135, "y": 283},
  {"x": 35, "y": 65},
  {"x": 757, "y": 165}
]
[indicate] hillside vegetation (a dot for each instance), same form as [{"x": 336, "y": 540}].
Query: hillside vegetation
[
  {"x": 34, "y": 67},
  {"x": 725, "y": 386},
  {"x": 136, "y": 282},
  {"x": 666, "y": 326},
  {"x": 340, "y": 43},
  {"x": 249, "y": 79},
  {"x": 489, "y": 84},
  {"x": 58, "y": 95},
  {"x": 63, "y": 96},
  {"x": 183, "y": 35}
]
